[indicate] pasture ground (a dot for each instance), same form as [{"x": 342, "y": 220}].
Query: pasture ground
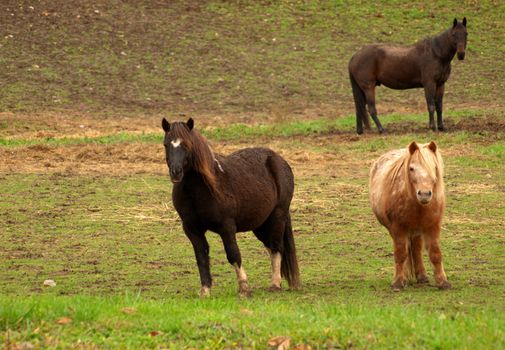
[
  {"x": 95, "y": 215},
  {"x": 85, "y": 197}
]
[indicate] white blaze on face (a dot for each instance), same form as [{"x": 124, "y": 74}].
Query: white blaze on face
[{"x": 176, "y": 143}]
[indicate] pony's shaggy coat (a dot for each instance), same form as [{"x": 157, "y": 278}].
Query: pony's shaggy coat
[
  {"x": 249, "y": 190},
  {"x": 398, "y": 179}
]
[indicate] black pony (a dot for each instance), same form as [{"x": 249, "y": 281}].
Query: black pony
[
  {"x": 250, "y": 189},
  {"x": 426, "y": 64}
]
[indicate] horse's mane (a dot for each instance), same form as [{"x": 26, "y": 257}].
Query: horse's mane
[
  {"x": 431, "y": 161},
  {"x": 438, "y": 44},
  {"x": 204, "y": 161}
]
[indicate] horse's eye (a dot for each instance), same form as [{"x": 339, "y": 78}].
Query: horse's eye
[{"x": 411, "y": 168}]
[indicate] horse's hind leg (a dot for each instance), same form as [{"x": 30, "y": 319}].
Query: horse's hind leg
[
  {"x": 276, "y": 259},
  {"x": 416, "y": 244},
  {"x": 233, "y": 255},
  {"x": 271, "y": 234},
  {"x": 370, "y": 100}
]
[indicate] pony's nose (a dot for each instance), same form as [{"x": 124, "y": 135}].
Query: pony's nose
[
  {"x": 176, "y": 173},
  {"x": 424, "y": 196},
  {"x": 461, "y": 56}
]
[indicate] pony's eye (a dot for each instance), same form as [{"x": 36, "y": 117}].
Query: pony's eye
[{"x": 411, "y": 168}]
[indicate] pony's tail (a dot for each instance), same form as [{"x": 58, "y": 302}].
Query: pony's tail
[
  {"x": 409, "y": 264},
  {"x": 289, "y": 263},
  {"x": 360, "y": 103}
]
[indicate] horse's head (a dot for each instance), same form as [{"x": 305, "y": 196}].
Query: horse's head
[
  {"x": 458, "y": 36},
  {"x": 177, "y": 148},
  {"x": 422, "y": 171}
]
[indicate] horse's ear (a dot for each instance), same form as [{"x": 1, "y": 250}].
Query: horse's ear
[
  {"x": 190, "y": 123},
  {"x": 413, "y": 147},
  {"x": 454, "y": 23},
  {"x": 433, "y": 146},
  {"x": 165, "y": 125},
  {"x": 464, "y": 21}
]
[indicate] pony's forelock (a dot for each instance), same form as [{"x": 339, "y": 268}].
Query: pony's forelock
[{"x": 431, "y": 161}]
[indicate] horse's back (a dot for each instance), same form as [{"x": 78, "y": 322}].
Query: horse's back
[
  {"x": 259, "y": 180},
  {"x": 394, "y": 66},
  {"x": 380, "y": 176}
]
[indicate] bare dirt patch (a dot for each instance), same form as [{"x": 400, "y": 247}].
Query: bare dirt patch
[{"x": 132, "y": 158}]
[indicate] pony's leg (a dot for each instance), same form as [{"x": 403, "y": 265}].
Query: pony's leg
[
  {"x": 433, "y": 244},
  {"x": 276, "y": 270},
  {"x": 429, "y": 93},
  {"x": 234, "y": 258},
  {"x": 416, "y": 244},
  {"x": 370, "y": 101},
  {"x": 439, "y": 96},
  {"x": 400, "y": 241},
  {"x": 271, "y": 234},
  {"x": 201, "y": 248}
]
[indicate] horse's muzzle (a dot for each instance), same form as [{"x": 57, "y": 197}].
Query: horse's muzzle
[
  {"x": 461, "y": 56},
  {"x": 424, "y": 197},
  {"x": 176, "y": 175}
]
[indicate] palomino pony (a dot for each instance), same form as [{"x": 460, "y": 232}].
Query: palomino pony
[
  {"x": 407, "y": 197},
  {"x": 425, "y": 64},
  {"x": 250, "y": 189}
]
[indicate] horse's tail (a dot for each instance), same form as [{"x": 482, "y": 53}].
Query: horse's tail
[
  {"x": 359, "y": 102},
  {"x": 409, "y": 264},
  {"x": 289, "y": 263}
]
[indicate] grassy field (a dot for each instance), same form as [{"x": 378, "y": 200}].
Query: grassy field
[
  {"x": 126, "y": 275},
  {"x": 85, "y": 198}
]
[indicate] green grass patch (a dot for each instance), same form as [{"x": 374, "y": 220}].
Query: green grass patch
[{"x": 131, "y": 322}]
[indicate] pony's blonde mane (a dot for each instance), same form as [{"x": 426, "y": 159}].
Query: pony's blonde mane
[
  {"x": 429, "y": 160},
  {"x": 203, "y": 157}
]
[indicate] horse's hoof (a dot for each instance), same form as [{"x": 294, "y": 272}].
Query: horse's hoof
[
  {"x": 444, "y": 285},
  {"x": 381, "y": 130},
  {"x": 205, "y": 292},
  {"x": 274, "y": 288},
  {"x": 243, "y": 290},
  {"x": 359, "y": 131},
  {"x": 245, "y": 293},
  {"x": 423, "y": 279},
  {"x": 398, "y": 286},
  {"x": 441, "y": 128}
]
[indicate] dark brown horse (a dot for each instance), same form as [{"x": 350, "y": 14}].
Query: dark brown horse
[
  {"x": 426, "y": 64},
  {"x": 250, "y": 189}
]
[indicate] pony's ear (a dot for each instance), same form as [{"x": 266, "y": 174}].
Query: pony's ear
[
  {"x": 165, "y": 125},
  {"x": 413, "y": 147},
  {"x": 464, "y": 21},
  {"x": 454, "y": 23},
  {"x": 190, "y": 123},
  {"x": 432, "y": 146}
]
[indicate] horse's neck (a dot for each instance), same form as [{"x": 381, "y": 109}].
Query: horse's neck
[{"x": 442, "y": 47}]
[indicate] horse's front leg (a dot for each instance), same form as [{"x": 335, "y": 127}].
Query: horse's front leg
[
  {"x": 429, "y": 92},
  {"x": 400, "y": 241},
  {"x": 228, "y": 235},
  {"x": 416, "y": 244},
  {"x": 433, "y": 245},
  {"x": 439, "y": 96},
  {"x": 201, "y": 248}
]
